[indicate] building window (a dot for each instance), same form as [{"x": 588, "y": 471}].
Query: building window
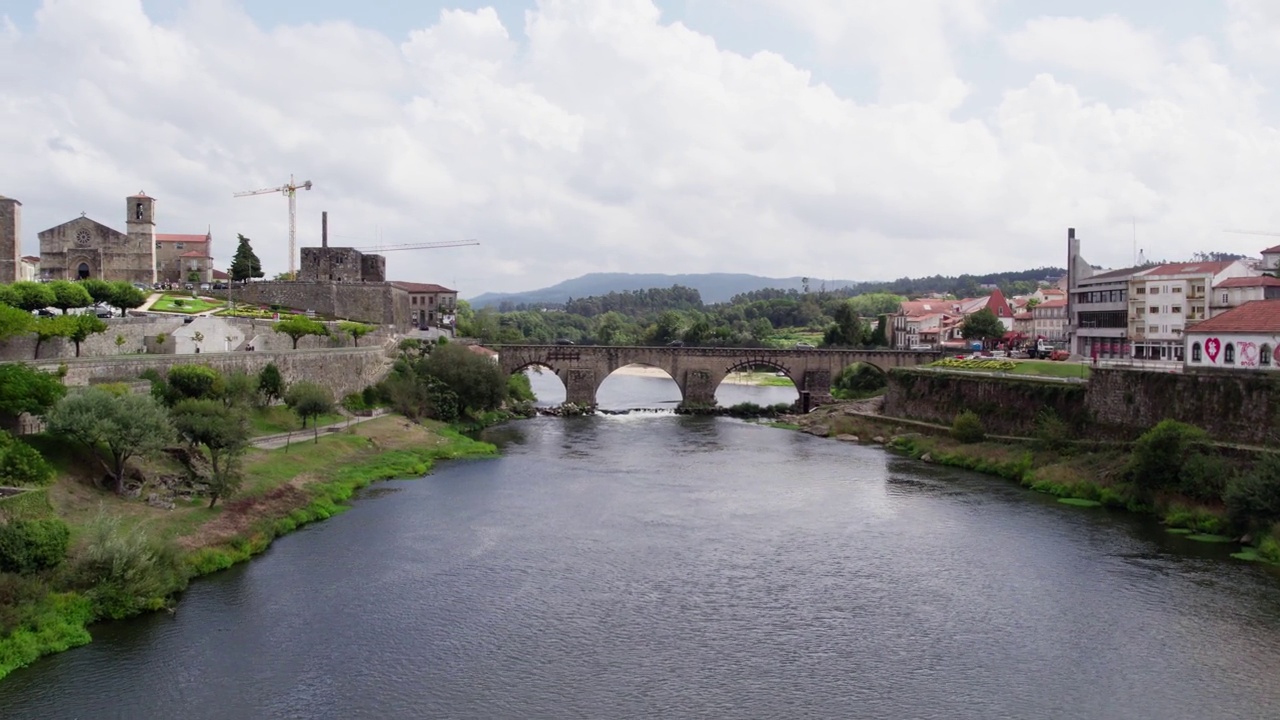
[
  {"x": 137, "y": 211},
  {"x": 1229, "y": 354},
  {"x": 1224, "y": 298},
  {"x": 1155, "y": 291},
  {"x": 1176, "y": 309},
  {"x": 413, "y": 300},
  {"x": 1264, "y": 356},
  {"x": 178, "y": 246},
  {"x": 1142, "y": 291},
  {"x": 1195, "y": 352},
  {"x": 1177, "y": 289}
]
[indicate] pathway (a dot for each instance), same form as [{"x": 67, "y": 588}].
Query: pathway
[{"x": 279, "y": 440}]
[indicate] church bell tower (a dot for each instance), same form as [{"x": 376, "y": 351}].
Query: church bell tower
[{"x": 140, "y": 224}]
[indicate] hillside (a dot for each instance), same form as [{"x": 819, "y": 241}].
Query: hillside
[
  {"x": 722, "y": 287},
  {"x": 713, "y": 287}
]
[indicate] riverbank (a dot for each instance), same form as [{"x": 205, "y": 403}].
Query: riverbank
[
  {"x": 1087, "y": 475},
  {"x": 157, "y": 551}
]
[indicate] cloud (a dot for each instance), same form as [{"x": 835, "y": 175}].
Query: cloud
[{"x": 600, "y": 136}]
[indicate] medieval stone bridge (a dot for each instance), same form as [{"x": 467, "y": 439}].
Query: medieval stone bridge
[{"x": 697, "y": 370}]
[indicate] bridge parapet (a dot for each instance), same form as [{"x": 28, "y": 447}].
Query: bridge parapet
[{"x": 697, "y": 370}]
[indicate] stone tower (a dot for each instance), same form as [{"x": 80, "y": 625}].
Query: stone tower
[
  {"x": 140, "y": 224},
  {"x": 10, "y": 240}
]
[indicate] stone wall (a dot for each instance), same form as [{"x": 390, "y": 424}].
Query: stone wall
[
  {"x": 378, "y": 303},
  {"x": 140, "y": 333},
  {"x": 1115, "y": 404},
  {"x": 344, "y": 370},
  {"x": 1007, "y": 406},
  {"x": 1235, "y": 406}
]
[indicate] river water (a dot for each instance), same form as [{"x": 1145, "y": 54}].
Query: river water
[{"x": 660, "y": 566}]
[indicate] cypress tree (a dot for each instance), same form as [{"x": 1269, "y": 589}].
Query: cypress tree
[{"x": 245, "y": 265}]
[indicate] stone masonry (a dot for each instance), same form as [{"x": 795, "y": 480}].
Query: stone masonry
[
  {"x": 377, "y": 303},
  {"x": 10, "y": 240}
]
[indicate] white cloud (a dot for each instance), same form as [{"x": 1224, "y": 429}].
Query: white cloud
[{"x": 598, "y": 138}]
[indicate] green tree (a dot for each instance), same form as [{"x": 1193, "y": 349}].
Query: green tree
[
  {"x": 14, "y": 322},
  {"x": 69, "y": 295},
  {"x": 22, "y": 465},
  {"x": 298, "y": 327},
  {"x": 115, "y": 428},
  {"x": 848, "y": 329},
  {"x": 356, "y": 330},
  {"x": 31, "y": 545},
  {"x": 125, "y": 297},
  {"x": 1158, "y": 457},
  {"x": 99, "y": 290},
  {"x": 309, "y": 400},
  {"x": 46, "y": 328},
  {"x": 880, "y": 336},
  {"x": 23, "y": 389},
  {"x": 982, "y": 325},
  {"x": 477, "y": 381},
  {"x": 8, "y": 296},
  {"x": 32, "y": 296},
  {"x": 271, "y": 383},
  {"x": 194, "y": 382},
  {"x": 245, "y": 265},
  {"x": 82, "y": 326},
  {"x": 223, "y": 432},
  {"x": 241, "y": 390}
]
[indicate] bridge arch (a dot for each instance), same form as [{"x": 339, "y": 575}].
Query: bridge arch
[
  {"x": 546, "y": 390},
  {"x": 657, "y": 388},
  {"x": 729, "y": 392}
]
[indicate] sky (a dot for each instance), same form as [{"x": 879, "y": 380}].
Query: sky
[{"x": 840, "y": 139}]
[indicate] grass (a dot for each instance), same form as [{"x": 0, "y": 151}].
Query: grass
[
  {"x": 276, "y": 419},
  {"x": 1050, "y": 368},
  {"x": 190, "y": 305},
  {"x": 1079, "y": 502},
  {"x": 284, "y": 490},
  {"x": 768, "y": 379}
]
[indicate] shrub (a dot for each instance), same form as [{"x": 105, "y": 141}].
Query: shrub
[
  {"x": 1159, "y": 455},
  {"x": 370, "y": 396},
  {"x": 1205, "y": 476},
  {"x": 354, "y": 402},
  {"x": 22, "y": 465},
  {"x": 179, "y": 302},
  {"x": 966, "y": 364},
  {"x": 1253, "y": 498},
  {"x": 967, "y": 428},
  {"x": 1051, "y": 432},
  {"x": 196, "y": 382},
  {"x": 124, "y": 570},
  {"x": 28, "y": 546}
]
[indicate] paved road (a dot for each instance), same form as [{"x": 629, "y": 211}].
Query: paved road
[{"x": 271, "y": 442}]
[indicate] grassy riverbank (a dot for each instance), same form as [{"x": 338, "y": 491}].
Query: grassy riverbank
[
  {"x": 152, "y": 553},
  {"x": 1083, "y": 475}
]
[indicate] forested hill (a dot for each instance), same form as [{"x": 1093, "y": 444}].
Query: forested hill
[
  {"x": 604, "y": 291},
  {"x": 712, "y": 287}
]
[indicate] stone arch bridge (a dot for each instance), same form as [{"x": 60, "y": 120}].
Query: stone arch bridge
[{"x": 698, "y": 370}]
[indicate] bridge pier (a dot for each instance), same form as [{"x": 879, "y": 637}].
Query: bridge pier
[
  {"x": 579, "y": 386},
  {"x": 698, "y": 387}
]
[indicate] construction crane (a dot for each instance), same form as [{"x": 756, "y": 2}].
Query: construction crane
[
  {"x": 1247, "y": 232},
  {"x": 417, "y": 246},
  {"x": 290, "y": 191}
]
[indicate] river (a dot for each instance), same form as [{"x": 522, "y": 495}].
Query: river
[{"x": 662, "y": 566}]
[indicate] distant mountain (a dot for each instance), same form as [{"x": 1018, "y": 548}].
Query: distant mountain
[{"x": 714, "y": 287}]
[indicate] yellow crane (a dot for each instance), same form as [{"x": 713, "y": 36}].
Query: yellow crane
[{"x": 291, "y": 191}]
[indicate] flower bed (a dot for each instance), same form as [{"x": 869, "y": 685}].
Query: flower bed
[{"x": 988, "y": 364}]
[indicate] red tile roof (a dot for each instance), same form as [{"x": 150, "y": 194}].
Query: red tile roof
[
  {"x": 196, "y": 254},
  {"x": 1271, "y": 250},
  {"x": 1061, "y": 302},
  {"x": 170, "y": 237},
  {"x": 1260, "y": 281},
  {"x": 422, "y": 287},
  {"x": 1187, "y": 268},
  {"x": 1259, "y": 316},
  {"x": 31, "y": 258},
  {"x": 219, "y": 275}
]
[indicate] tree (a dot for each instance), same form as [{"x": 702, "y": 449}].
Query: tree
[
  {"x": 32, "y": 296},
  {"x": 14, "y": 322},
  {"x": 197, "y": 337},
  {"x": 298, "y": 327},
  {"x": 8, "y": 296},
  {"x": 241, "y": 390},
  {"x": 98, "y": 289},
  {"x": 283, "y": 277},
  {"x": 848, "y": 330},
  {"x": 245, "y": 265},
  {"x": 356, "y": 330},
  {"x": 477, "y": 381},
  {"x": 82, "y": 326},
  {"x": 309, "y": 400},
  {"x": 115, "y": 428},
  {"x": 982, "y": 325},
  {"x": 68, "y": 295},
  {"x": 23, "y": 389},
  {"x": 270, "y": 383},
  {"x": 120, "y": 341},
  {"x": 126, "y": 297},
  {"x": 47, "y": 328},
  {"x": 224, "y": 433},
  {"x": 194, "y": 382},
  {"x": 880, "y": 336}
]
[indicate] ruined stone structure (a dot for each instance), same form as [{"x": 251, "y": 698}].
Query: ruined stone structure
[
  {"x": 10, "y": 240},
  {"x": 84, "y": 248},
  {"x": 339, "y": 264},
  {"x": 698, "y": 370},
  {"x": 377, "y": 303}
]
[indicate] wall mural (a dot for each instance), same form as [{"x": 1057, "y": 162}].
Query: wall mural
[
  {"x": 1212, "y": 347},
  {"x": 1248, "y": 354}
]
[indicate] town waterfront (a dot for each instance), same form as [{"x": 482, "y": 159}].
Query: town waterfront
[{"x": 652, "y": 565}]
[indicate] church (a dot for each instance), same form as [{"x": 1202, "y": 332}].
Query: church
[{"x": 85, "y": 248}]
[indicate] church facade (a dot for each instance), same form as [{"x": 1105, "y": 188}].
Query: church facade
[{"x": 85, "y": 248}]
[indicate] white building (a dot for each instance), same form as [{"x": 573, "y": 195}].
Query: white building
[
  {"x": 1246, "y": 338},
  {"x": 1049, "y": 320},
  {"x": 1165, "y": 299}
]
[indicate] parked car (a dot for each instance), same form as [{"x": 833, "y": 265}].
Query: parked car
[
  {"x": 804, "y": 346},
  {"x": 563, "y": 341},
  {"x": 104, "y": 312},
  {"x": 676, "y": 343},
  {"x": 45, "y": 312},
  {"x": 219, "y": 286}
]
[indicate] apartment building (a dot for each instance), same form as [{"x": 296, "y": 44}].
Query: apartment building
[
  {"x": 1165, "y": 299},
  {"x": 1049, "y": 320}
]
